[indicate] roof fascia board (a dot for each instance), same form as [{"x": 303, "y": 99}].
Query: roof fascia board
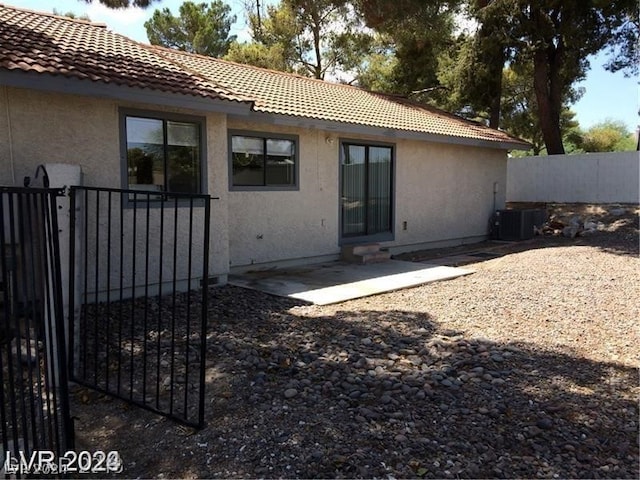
[
  {"x": 76, "y": 86},
  {"x": 343, "y": 127}
]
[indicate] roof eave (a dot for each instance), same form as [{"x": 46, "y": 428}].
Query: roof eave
[
  {"x": 59, "y": 84},
  {"x": 360, "y": 129}
]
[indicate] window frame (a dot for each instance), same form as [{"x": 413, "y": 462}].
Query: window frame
[
  {"x": 164, "y": 117},
  {"x": 264, "y": 136}
]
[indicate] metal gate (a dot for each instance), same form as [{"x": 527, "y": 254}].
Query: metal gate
[
  {"x": 34, "y": 402},
  {"x": 138, "y": 289}
]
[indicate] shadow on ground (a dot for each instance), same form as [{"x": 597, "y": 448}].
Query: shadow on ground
[{"x": 377, "y": 394}]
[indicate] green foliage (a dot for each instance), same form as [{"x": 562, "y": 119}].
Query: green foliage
[
  {"x": 259, "y": 55},
  {"x": 310, "y": 37},
  {"x": 71, "y": 14},
  {"x": 124, "y": 3},
  {"x": 200, "y": 28},
  {"x": 556, "y": 38},
  {"x": 376, "y": 73},
  {"x": 416, "y": 32},
  {"x": 608, "y": 136},
  {"x": 519, "y": 111}
]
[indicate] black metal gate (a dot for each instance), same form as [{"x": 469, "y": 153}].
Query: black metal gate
[
  {"x": 138, "y": 289},
  {"x": 34, "y": 402}
]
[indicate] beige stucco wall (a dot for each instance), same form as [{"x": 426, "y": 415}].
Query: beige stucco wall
[
  {"x": 39, "y": 128},
  {"x": 268, "y": 226},
  {"x": 444, "y": 193}
]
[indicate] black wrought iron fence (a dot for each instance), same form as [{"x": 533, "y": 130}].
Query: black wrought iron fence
[
  {"x": 138, "y": 292},
  {"x": 34, "y": 403}
]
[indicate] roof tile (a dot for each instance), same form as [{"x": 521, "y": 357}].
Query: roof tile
[
  {"x": 78, "y": 48},
  {"x": 40, "y": 42}
]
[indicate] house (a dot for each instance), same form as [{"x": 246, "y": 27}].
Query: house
[{"x": 300, "y": 167}]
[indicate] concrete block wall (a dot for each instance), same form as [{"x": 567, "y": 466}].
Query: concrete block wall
[{"x": 588, "y": 178}]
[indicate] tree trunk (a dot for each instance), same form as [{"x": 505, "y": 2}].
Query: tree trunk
[
  {"x": 496, "y": 100},
  {"x": 545, "y": 84},
  {"x": 548, "y": 62}
]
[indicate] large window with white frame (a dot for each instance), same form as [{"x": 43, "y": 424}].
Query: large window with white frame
[
  {"x": 263, "y": 161},
  {"x": 162, "y": 152}
]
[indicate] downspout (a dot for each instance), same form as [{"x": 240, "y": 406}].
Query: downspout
[{"x": 11, "y": 159}]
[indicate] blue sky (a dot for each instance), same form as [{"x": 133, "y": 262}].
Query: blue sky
[{"x": 607, "y": 95}]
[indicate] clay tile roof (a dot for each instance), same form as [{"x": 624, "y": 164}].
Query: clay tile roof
[
  {"x": 45, "y": 43},
  {"x": 294, "y": 95}
]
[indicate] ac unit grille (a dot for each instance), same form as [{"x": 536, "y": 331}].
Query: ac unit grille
[{"x": 518, "y": 224}]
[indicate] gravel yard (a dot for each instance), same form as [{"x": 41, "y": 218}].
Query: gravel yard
[{"x": 527, "y": 368}]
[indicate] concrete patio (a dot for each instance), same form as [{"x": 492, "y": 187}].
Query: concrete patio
[{"x": 335, "y": 282}]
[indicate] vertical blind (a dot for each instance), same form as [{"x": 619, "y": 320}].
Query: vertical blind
[{"x": 366, "y": 189}]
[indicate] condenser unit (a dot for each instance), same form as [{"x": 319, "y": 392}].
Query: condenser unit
[{"x": 518, "y": 224}]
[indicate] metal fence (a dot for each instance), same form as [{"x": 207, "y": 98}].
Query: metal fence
[
  {"x": 34, "y": 402},
  {"x": 138, "y": 295}
]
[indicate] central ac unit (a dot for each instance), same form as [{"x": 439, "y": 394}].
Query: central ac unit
[{"x": 517, "y": 224}]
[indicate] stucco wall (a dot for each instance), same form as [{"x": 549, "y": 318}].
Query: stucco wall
[
  {"x": 444, "y": 193},
  {"x": 38, "y": 128},
  {"x": 589, "y": 178},
  {"x": 267, "y": 226}
]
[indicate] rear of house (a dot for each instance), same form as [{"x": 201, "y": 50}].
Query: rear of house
[{"x": 297, "y": 167}]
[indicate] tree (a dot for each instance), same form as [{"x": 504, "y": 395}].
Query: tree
[
  {"x": 200, "y": 28},
  {"x": 608, "y": 136},
  {"x": 474, "y": 76},
  {"x": 377, "y": 70},
  {"x": 260, "y": 55},
  {"x": 71, "y": 14},
  {"x": 274, "y": 39},
  {"x": 556, "y": 38},
  {"x": 124, "y": 3},
  {"x": 519, "y": 110},
  {"x": 416, "y": 32},
  {"x": 312, "y": 38}
]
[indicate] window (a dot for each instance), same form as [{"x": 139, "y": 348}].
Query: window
[
  {"x": 263, "y": 161},
  {"x": 163, "y": 153}
]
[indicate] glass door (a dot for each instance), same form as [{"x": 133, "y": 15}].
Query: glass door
[{"x": 366, "y": 192}]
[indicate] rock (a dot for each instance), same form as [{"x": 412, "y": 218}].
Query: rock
[
  {"x": 588, "y": 225},
  {"x": 570, "y": 232},
  {"x": 545, "y": 423},
  {"x": 616, "y": 212},
  {"x": 556, "y": 225},
  {"x": 575, "y": 221},
  {"x": 290, "y": 393}
]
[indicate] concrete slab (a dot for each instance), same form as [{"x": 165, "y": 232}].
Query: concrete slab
[
  {"x": 462, "y": 259},
  {"x": 336, "y": 282}
]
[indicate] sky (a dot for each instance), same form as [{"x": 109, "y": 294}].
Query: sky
[{"x": 608, "y": 96}]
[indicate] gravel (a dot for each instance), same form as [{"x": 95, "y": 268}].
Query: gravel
[{"x": 525, "y": 369}]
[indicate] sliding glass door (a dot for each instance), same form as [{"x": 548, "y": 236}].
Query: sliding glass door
[{"x": 366, "y": 190}]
